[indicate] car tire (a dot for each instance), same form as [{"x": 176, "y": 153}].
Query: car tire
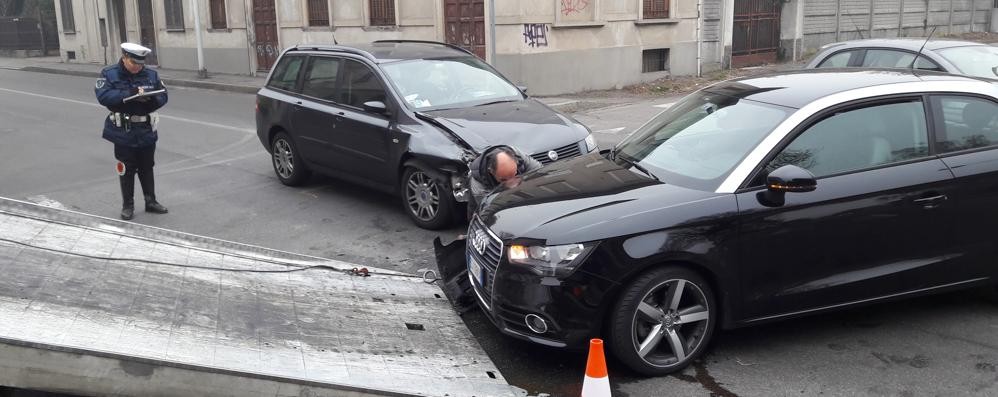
[
  {"x": 649, "y": 323},
  {"x": 288, "y": 165},
  {"x": 426, "y": 200}
]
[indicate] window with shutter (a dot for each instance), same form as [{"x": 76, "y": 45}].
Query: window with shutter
[
  {"x": 656, "y": 9},
  {"x": 382, "y": 12},
  {"x": 68, "y": 21},
  {"x": 174, "y": 10},
  {"x": 318, "y": 12},
  {"x": 217, "y": 8}
]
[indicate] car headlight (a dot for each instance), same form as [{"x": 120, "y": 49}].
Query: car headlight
[
  {"x": 591, "y": 143},
  {"x": 555, "y": 260}
]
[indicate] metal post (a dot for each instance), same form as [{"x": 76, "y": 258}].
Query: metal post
[
  {"x": 973, "y": 15},
  {"x": 492, "y": 31},
  {"x": 838, "y": 20},
  {"x": 873, "y": 11},
  {"x": 901, "y": 19},
  {"x": 699, "y": 38},
  {"x": 41, "y": 32},
  {"x": 202, "y": 72},
  {"x": 950, "y": 29}
]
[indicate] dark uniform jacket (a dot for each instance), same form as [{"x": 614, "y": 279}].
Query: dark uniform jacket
[{"x": 114, "y": 85}]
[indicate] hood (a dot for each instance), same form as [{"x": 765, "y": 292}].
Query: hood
[
  {"x": 527, "y": 125},
  {"x": 592, "y": 198}
]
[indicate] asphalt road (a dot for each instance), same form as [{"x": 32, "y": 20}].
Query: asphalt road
[{"x": 217, "y": 180}]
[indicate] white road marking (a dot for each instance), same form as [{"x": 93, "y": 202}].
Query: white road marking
[
  {"x": 162, "y": 116},
  {"x": 665, "y": 105},
  {"x": 46, "y": 202},
  {"x": 213, "y": 163},
  {"x": 611, "y": 130}
]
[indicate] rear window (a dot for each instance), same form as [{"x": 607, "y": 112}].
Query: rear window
[{"x": 286, "y": 73}]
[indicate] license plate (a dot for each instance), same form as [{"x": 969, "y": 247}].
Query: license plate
[{"x": 476, "y": 271}]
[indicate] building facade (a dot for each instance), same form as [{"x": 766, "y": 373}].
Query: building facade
[{"x": 550, "y": 46}]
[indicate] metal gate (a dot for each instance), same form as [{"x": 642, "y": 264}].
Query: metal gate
[
  {"x": 265, "y": 28},
  {"x": 756, "y": 35},
  {"x": 465, "y": 24},
  {"x": 147, "y": 30}
]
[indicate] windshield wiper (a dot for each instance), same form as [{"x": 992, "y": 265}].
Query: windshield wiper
[
  {"x": 495, "y": 102},
  {"x": 638, "y": 166}
]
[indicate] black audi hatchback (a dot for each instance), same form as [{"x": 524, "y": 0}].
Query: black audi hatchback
[
  {"x": 404, "y": 117},
  {"x": 749, "y": 201}
]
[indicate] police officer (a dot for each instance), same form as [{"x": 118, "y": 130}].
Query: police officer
[{"x": 131, "y": 125}]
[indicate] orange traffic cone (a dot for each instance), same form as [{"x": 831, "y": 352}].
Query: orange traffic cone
[{"x": 596, "y": 383}]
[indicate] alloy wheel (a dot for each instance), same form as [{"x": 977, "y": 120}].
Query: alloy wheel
[
  {"x": 284, "y": 161},
  {"x": 422, "y": 195},
  {"x": 670, "y": 323}
]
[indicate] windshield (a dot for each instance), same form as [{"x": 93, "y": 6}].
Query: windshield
[
  {"x": 427, "y": 84},
  {"x": 979, "y": 61},
  {"x": 700, "y": 139}
]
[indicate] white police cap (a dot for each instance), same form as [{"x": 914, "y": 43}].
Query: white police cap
[{"x": 136, "y": 52}]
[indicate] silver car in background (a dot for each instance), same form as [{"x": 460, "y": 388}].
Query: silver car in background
[{"x": 951, "y": 56}]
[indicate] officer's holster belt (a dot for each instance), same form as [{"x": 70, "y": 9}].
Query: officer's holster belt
[{"x": 120, "y": 119}]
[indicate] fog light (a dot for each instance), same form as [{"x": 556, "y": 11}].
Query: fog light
[{"x": 536, "y": 323}]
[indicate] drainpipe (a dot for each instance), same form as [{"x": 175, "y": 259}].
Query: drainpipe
[{"x": 202, "y": 72}]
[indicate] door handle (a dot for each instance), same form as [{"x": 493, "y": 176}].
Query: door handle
[{"x": 931, "y": 201}]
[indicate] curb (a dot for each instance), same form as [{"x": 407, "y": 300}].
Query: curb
[{"x": 168, "y": 80}]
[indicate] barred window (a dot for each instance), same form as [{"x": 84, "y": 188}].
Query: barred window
[
  {"x": 68, "y": 22},
  {"x": 656, "y": 9},
  {"x": 217, "y": 8},
  {"x": 382, "y": 12},
  {"x": 174, "y": 14},
  {"x": 318, "y": 12}
]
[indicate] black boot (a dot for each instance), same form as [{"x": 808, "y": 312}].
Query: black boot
[
  {"x": 149, "y": 190},
  {"x": 127, "y": 182},
  {"x": 154, "y": 207}
]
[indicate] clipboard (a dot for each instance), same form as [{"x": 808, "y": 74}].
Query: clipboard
[{"x": 144, "y": 94}]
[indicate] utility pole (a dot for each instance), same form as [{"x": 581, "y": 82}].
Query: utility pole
[{"x": 202, "y": 72}]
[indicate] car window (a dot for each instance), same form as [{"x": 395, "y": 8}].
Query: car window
[
  {"x": 359, "y": 85},
  {"x": 699, "y": 140},
  {"x": 857, "y": 139},
  {"x": 980, "y": 61},
  {"x": 879, "y": 58},
  {"x": 426, "y": 84},
  {"x": 320, "y": 78},
  {"x": 839, "y": 60},
  {"x": 964, "y": 123},
  {"x": 286, "y": 73}
]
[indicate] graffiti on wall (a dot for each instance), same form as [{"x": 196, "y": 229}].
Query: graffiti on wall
[
  {"x": 535, "y": 34},
  {"x": 569, "y": 7}
]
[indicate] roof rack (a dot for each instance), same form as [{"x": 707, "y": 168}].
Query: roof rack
[
  {"x": 326, "y": 47},
  {"x": 462, "y": 49}
]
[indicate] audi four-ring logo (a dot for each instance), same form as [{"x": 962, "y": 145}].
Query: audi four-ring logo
[{"x": 479, "y": 241}]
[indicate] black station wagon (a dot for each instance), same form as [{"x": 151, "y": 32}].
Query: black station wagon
[{"x": 404, "y": 117}]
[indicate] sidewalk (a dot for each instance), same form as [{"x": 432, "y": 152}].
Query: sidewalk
[
  {"x": 172, "y": 77},
  {"x": 250, "y": 84},
  {"x": 96, "y": 306}
]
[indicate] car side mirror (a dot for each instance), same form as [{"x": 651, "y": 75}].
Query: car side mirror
[
  {"x": 786, "y": 179},
  {"x": 522, "y": 88},
  {"x": 375, "y": 107}
]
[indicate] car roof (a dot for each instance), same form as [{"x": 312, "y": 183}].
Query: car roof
[
  {"x": 798, "y": 88},
  {"x": 391, "y": 50},
  {"x": 909, "y": 43}
]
